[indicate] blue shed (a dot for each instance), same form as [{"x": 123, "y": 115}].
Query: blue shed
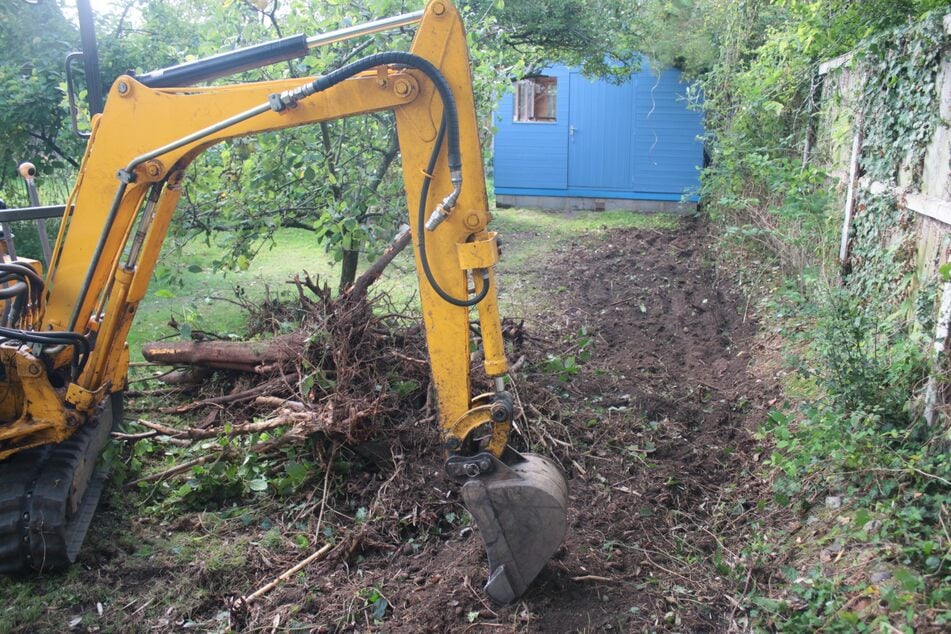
[{"x": 566, "y": 142}]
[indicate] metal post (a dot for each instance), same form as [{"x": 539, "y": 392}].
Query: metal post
[
  {"x": 87, "y": 32},
  {"x": 851, "y": 194},
  {"x": 28, "y": 171}
]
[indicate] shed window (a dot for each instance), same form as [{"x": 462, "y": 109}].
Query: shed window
[{"x": 535, "y": 99}]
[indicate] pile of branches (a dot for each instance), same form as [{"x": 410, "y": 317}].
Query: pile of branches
[
  {"x": 343, "y": 371},
  {"x": 349, "y": 368},
  {"x": 333, "y": 375}
]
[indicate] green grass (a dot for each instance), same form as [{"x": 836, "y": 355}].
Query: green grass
[
  {"x": 189, "y": 289},
  {"x": 569, "y": 223}
]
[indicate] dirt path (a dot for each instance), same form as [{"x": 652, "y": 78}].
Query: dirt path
[
  {"x": 658, "y": 420},
  {"x": 652, "y": 427},
  {"x": 664, "y": 411}
]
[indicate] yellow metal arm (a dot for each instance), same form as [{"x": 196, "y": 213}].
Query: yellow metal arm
[
  {"x": 160, "y": 132},
  {"x": 58, "y": 378}
]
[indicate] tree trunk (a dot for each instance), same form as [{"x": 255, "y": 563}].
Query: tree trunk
[
  {"x": 348, "y": 268},
  {"x": 227, "y": 355},
  {"x": 373, "y": 273}
]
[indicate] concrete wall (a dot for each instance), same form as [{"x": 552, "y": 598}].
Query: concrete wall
[
  {"x": 571, "y": 203},
  {"x": 838, "y": 150}
]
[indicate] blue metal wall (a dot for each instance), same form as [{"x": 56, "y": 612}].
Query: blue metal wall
[{"x": 634, "y": 141}]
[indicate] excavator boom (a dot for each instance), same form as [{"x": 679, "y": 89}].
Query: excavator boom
[{"x": 67, "y": 354}]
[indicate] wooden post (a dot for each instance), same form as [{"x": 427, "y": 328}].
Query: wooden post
[
  {"x": 851, "y": 193},
  {"x": 940, "y": 342}
]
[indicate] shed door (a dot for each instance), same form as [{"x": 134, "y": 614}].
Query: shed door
[{"x": 600, "y": 134}]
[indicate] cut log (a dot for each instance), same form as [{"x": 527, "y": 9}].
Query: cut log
[{"x": 227, "y": 355}]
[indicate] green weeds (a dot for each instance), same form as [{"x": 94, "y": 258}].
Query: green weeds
[
  {"x": 568, "y": 363},
  {"x": 857, "y": 461}
]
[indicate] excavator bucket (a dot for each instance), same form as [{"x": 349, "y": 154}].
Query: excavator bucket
[{"x": 521, "y": 510}]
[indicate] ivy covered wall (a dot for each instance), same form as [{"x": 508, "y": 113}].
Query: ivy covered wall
[{"x": 895, "y": 92}]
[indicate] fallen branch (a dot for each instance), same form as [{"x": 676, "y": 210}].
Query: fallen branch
[
  {"x": 227, "y": 355},
  {"x": 198, "y": 433},
  {"x": 182, "y": 468},
  {"x": 245, "y": 601},
  {"x": 159, "y": 428},
  {"x": 593, "y": 578},
  {"x": 372, "y": 274},
  {"x": 237, "y": 397},
  {"x": 237, "y": 430},
  {"x": 148, "y": 434},
  {"x": 274, "y": 401}
]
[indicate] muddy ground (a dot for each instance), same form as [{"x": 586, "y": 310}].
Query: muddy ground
[{"x": 652, "y": 422}]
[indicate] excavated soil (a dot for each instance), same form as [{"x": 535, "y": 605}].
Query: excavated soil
[
  {"x": 653, "y": 426},
  {"x": 658, "y": 420}
]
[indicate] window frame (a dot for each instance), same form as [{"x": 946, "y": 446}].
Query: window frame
[{"x": 525, "y": 101}]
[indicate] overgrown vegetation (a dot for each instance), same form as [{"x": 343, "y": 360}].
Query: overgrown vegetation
[
  {"x": 760, "y": 99},
  {"x": 853, "y": 456}
]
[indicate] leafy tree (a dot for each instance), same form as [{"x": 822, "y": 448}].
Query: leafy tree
[
  {"x": 35, "y": 39},
  {"x": 334, "y": 179},
  {"x": 597, "y": 35}
]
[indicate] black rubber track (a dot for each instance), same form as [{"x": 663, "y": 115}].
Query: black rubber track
[
  {"x": 17, "y": 475},
  {"x": 37, "y": 527}
]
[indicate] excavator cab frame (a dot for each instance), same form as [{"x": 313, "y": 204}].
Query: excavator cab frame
[{"x": 116, "y": 219}]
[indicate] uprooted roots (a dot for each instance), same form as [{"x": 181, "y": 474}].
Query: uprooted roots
[
  {"x": 347, "y": 392},
  {"x": 355, "y": 369},
  {"x": 341, "y": 373}
]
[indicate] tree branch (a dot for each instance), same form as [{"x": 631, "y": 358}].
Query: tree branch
[{"x": 52, "y": 145}]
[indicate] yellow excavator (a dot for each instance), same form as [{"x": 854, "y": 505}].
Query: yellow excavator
[{"x": 63, "y": 352}]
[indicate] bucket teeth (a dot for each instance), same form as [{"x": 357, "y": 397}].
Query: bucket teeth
[{"x": 521, "y": 511}]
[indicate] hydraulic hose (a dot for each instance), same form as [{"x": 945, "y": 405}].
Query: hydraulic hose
[
  {"x": 450, "y": 112},
  {"x": 76, "y": 340},
  {"x": 16, "y": 309},
  {"x": 14, "y": 290},
  {"x": 26, "y": 282},
  {"x": 448, "y": 129},
  {"x": 421, "y": 232},
  {"x": 22, "y": 270}
]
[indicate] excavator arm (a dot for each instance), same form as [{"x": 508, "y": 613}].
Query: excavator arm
[{"x": 119, "y": 212}]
